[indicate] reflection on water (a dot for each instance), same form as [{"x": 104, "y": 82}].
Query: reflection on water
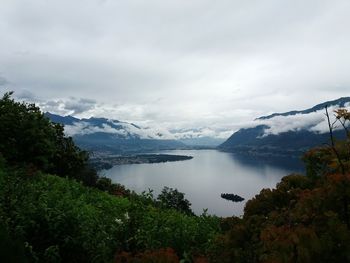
[
  {"x": 292, "y": 163},
  {"x": 206, "y": 176}
]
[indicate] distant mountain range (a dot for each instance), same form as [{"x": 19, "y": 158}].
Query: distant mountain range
[
  {"x": 279, "y": 134},
  {"x": 113, "y": 136},
  {"x": 286, "y": 134},
  {"x": 117, "y": 137}
]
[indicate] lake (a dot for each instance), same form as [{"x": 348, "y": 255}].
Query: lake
[{"x": 205, "y": 177}]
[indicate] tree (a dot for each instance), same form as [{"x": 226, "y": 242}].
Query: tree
[
  {"x": 29, "y": 138},
  {"x": 26, "y": 136},
  {"x": 172, "y": 198}
]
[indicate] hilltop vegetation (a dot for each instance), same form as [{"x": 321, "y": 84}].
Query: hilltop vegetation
[{"x": 54, "y": 207}]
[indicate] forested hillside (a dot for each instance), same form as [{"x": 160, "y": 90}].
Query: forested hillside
[{"x": 54, "y": 207}]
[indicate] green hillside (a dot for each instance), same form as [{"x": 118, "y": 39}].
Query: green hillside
[{"x": 54, "y": 219}]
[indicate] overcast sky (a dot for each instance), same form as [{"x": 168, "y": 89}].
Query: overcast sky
[{"x": 180, "y": 64}]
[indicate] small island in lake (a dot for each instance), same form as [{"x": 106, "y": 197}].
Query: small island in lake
[
  {"x": 107, "y": 162},
  {"x": 232, "y": 197}
]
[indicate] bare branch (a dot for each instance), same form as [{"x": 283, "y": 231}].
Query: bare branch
[
  {"x": 330, "y": 126},
  {"x": 334, "y": 123}
]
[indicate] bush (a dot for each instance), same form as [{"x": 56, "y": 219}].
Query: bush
[
  {"x": 59, "y": 219},
  {"x": 172, "y": 198}
]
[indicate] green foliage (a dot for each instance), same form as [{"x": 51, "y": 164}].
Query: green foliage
[
  {"x": 59, "y": 220},
  {"x": 172, "y": 198},
  {"x": 106, "y": 185},
  {"x": 27, "y": 137},
  {"x": 168, "y": 228},
  {"x": 25, "y": 134}
]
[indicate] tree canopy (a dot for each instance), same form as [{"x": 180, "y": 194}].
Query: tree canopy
[
  {"x": 29, "y": 138},
  {"x": 172, "y": 198}
]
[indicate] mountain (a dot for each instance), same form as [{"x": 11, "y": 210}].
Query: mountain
[
  {"x": 341, "y": 102},
  {"x": 286, "y": 134},
  {"x": 113, "y": 136}
]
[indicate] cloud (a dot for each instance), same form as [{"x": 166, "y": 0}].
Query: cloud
[
  {"x": 121, "y": 129},
  {"x": 27, "y": 95},
  {"x": 213, "y": 63},
  {"x": 201, "y": 133},
  {"x": 83, "y": 128},
  {"x": 62, "y": 106},
  {"x": 3, "y": 81},
  {"x": 75, "y": 129},
  {"x": 127, "y": 130},
  {"x": 77, "y": 106},
  {"x": 314, "y": 121}
]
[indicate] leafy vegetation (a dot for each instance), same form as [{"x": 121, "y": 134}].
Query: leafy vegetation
[
  {"x": 59, "y": 219},
  {"x": 28, "y": 138},
  {"x": 172, "y": 198}
]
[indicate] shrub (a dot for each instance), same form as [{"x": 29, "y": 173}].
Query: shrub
[
  {"x": 60, "y": 219},
  {"x": 172, "y": 198}
]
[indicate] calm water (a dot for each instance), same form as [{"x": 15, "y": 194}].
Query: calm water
[{"x": 205, "y": 177}]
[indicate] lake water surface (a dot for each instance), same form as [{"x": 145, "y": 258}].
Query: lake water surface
[{"x": 205, "y": 177}]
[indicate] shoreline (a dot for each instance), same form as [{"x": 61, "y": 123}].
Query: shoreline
[{"x": 105, "y": 163}]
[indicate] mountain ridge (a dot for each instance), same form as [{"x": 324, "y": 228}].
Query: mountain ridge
[
  {"x": 113, "y": 136},
  {"x": 341, "y": 102},
  {"x": 83, "y": 128},
  {"x": 263, "y": 139}
]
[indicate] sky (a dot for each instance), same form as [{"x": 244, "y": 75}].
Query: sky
[{"x": 175, "y": 64}]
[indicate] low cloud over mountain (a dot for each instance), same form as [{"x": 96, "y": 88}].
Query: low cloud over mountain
[
  {"x": 291, "y": 132},
  {"x": 314, "y": 121}
]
